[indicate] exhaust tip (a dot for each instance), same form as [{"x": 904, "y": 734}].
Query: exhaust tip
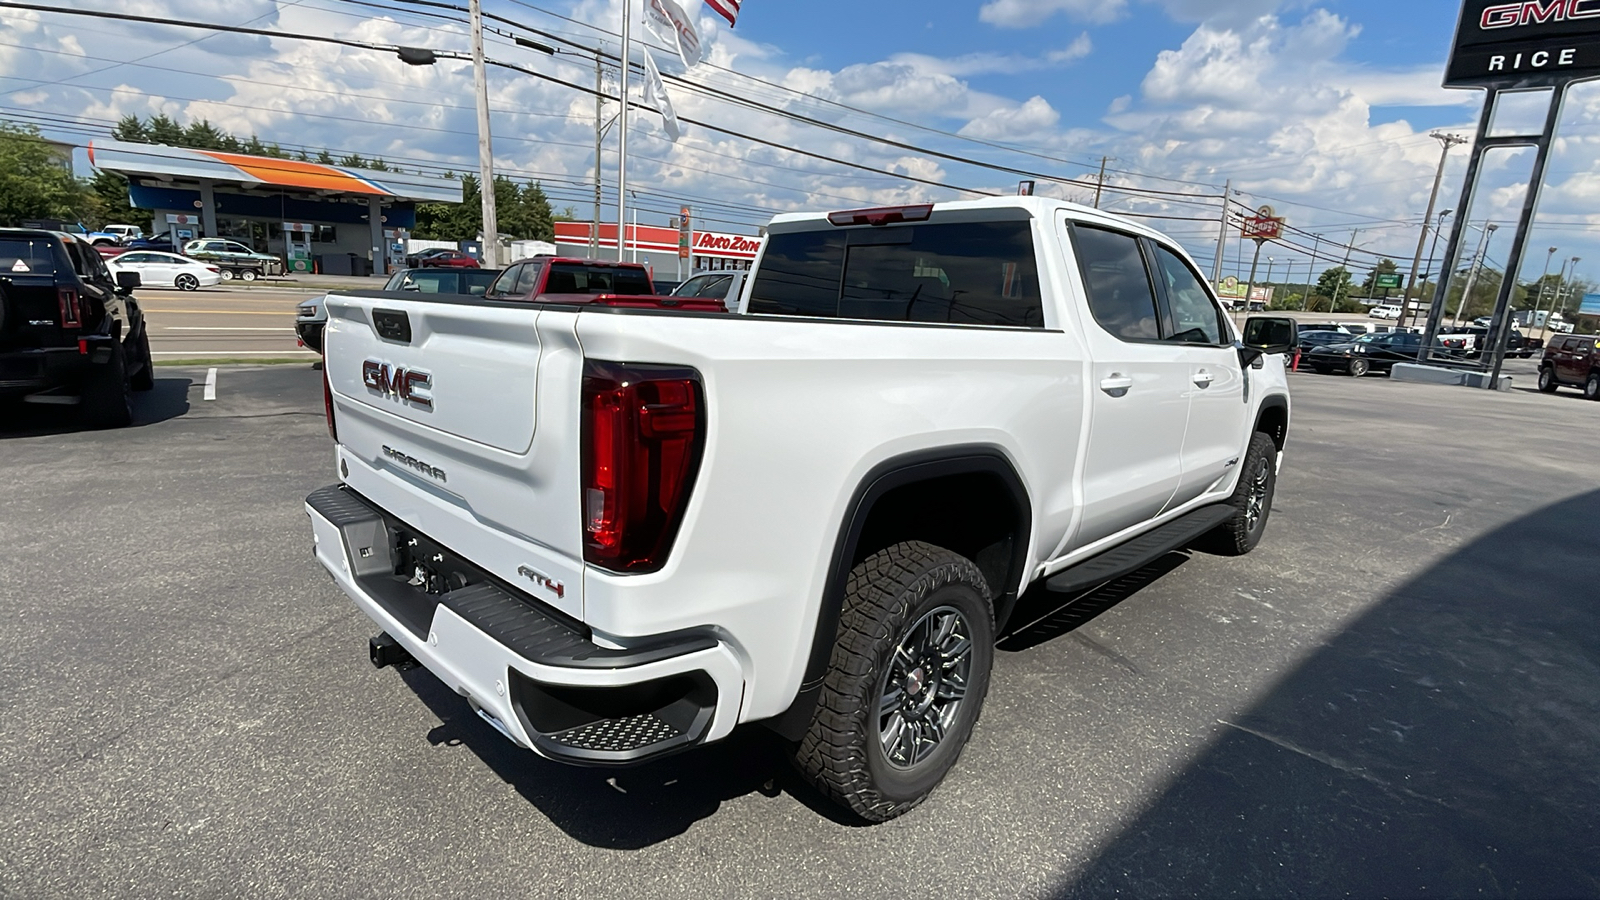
[{"x": 385, "y": 651}]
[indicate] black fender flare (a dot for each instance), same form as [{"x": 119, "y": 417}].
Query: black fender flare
[{"x": 884, "y": 477}]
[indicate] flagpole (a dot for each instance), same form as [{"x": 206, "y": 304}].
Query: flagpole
[{"x": 622, "y": 135}]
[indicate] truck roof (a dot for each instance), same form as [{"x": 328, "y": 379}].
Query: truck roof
[
  {"x": 1038, "y": 207},
  {"x": 579, "y": 261}
]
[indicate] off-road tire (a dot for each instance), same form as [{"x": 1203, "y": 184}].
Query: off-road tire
[
  {"x": 107, "y": 398},
  {"x": 145, "y": 378},
  {"x": 886, "y": 596},
  {"x": 1359, "y": 367},
  {"x": 1258, "y": 479},
  {"x": 1591, "y": 386},
  {"x": 1547, "y": 380},
  {"x": 186, "y": 282}
]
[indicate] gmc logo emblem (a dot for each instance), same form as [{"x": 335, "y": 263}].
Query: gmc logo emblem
[
  {"x": 411, "y": 386},
  {"x": 1528, "y": 12}
]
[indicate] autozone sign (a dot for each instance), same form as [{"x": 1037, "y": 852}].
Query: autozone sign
[
  {"x": 1529, "y": 43},
  {"x": 731, "y": 243}
]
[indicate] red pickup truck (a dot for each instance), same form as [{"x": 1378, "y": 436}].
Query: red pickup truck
[
  {"x": 1574, "y": 360},
  {"x": 557, "y": 279}
]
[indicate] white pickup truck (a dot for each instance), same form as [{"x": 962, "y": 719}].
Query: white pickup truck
[{"x": 620, "y": 533}]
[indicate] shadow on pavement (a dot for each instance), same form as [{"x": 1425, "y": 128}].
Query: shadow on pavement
[
  {"x": 168, "y": 399},
  {"x": 626, "y": 808},
  {"x": 1447, "y": 743}
]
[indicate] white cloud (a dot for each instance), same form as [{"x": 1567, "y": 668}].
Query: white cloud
[
  {"x": 1029, "y": 121},
  {"x": 1027, "y": 13}
]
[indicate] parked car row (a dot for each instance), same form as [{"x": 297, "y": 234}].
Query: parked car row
[{"x": 312, "y": 314}]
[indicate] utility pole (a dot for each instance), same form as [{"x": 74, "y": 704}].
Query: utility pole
[
  {"x": 1222, "y": 233},
  {"x": 1333, "y": 305},
  {"x": 1472, "y": 275},
  {"x": 1448, "y": 140},
  {"x": 599, "y": 113},
  {"x": 622, "y": 134},
  {"x": 491, "y": 222},
  {"x": 1311, "y": 277},
  {"x": 1438, "y": 227},
  {"x": 1101, "y": 183},
  {"x": 1538, "y": 301}
]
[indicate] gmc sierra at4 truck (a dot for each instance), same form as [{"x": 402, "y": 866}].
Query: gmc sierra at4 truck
[{"x": 619, "y": 533}]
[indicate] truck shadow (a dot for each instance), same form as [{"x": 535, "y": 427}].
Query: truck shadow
[
  {"x": 1446, "y": 743},
  {"x": 168, "y": 399},
  {"x": 626, "y": 808}
]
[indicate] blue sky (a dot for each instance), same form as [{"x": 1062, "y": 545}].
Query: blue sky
[{"x": 1319, "y": 107}]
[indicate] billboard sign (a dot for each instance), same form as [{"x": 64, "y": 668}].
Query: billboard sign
[
  {"x": 1590, "y": 305},
  {"x": 1265, "y": 225},
  {"x": 1387, "y": 280},
  {"x": 1529, "y": 43},
  {"x": 685, "y": 233}
]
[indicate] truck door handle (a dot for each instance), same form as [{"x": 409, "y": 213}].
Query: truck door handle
[
  {"x": 1116, "y": 385},
  {"x": 1203, "y": 378}
]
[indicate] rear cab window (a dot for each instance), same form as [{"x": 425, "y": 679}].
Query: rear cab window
[
  {"x": 580, "y": 278},
  {"x": 960, "y": 273},
  {"x": 27, "y": 256}
]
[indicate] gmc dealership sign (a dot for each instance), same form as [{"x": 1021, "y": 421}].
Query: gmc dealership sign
[{"x": 1530, "y": 43}]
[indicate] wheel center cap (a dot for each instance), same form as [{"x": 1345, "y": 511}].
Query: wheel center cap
[{"x": 916, "y": 681}]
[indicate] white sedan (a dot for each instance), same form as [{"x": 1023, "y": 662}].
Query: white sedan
[{"x": 166, "y": 269}]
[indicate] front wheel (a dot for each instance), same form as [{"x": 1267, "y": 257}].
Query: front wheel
[
  {"x": 1358, "y": 368},
  {"x": 227, "y": 274},
  {"x": 1251, "y": 501},
  {"x": 186, "y": 283},
  {"x": 249, "y": 275},
  {"x": 1547, "y": 380},
  {"x": 907, "y": 679}
]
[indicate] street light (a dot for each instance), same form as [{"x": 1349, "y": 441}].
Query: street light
[
  {"x": 1438, "y": 229},
  {"x": 1538, "y": 302}
]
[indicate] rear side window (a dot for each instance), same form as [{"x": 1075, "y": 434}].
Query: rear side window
[
  {"x": 971, "y": 273},
  {"x": 502, "y": 285},
  {"x": 431, "y": 282},
  {"x": 1195, "y": 319},
  {"x": 1118, "y": 283},
  {"x": 26, "y": 256},
  {"x": 567, "y": 278},
  {"x": 527, "y": 279}
]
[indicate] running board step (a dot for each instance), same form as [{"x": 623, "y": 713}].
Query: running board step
[{"x": 1125, "y": 559}]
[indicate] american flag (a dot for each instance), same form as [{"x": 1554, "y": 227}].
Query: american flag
[{"x": 728, "y": 9}]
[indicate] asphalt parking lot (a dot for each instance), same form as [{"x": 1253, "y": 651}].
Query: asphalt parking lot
[{"x": 1397, "y": 694}]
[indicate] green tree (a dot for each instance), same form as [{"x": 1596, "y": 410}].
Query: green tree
[
  {"x": 353, "y": 161},
  {"x": 33, "y": 182},
  {"x": 1334, "y": 283},
  {"x": 163, "y": 130},
  {"x": 325, "y": 158},
  {"x": 202, "y": 135},
  {"x": 131, "y": 128},
  {"x": 109, "y": 202}
]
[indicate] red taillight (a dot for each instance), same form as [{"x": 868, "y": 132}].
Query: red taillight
[
  {"x": 644, "y": 429},
  {"x": 883, "y": 215},
  {"x": 71, "y": 315},
  {"x": 214, "y": 270},
  {"x": 327, "y": 404}
]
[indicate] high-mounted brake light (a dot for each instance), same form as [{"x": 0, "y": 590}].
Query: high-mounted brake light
[
  {"x": 71, "y": 315},
  {"x": 644, "y": 431},
  {"x": 882, "y": 215}
]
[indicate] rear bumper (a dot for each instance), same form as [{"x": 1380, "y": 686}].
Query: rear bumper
[
  {"x": 530, "y": 672},
  {"x": 24, "y": 372}
]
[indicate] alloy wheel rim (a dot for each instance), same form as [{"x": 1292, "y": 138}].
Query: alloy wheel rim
[
  {"x": 1256, "y": 501},
  {"x": 924, "y": 686}
]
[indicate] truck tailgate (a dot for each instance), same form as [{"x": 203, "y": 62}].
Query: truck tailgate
[{"x": 461, "y": 419}]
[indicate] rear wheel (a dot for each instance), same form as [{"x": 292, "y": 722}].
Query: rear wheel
[
  {"x": 145, "y": 378},
  {"x": 186, "y": 283},
  {"x": 107, "y": 399},
  {"x": 907, "y": 679},
  {"x": 227, "y": 274},
  {"x": 1591, "y": 387},
  {"x": 249, "y": 275},
  {"x": 1358, "y": 368},
  {"x": 1251, "y": 501},
  {"x": 1547, "y": 380}
]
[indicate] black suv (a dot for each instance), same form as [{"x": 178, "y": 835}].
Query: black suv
[{"x": 69, "y": 333}]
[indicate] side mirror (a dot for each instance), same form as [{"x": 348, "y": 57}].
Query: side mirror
[
  {"x": 1270, "y": 334},
  {"x": 127, "y": 281}
]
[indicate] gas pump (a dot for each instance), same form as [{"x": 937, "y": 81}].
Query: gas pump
[{"x": 297, "y": 245}]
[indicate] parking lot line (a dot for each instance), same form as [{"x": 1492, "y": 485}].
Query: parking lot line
[{"x": 211, "y": 383}]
